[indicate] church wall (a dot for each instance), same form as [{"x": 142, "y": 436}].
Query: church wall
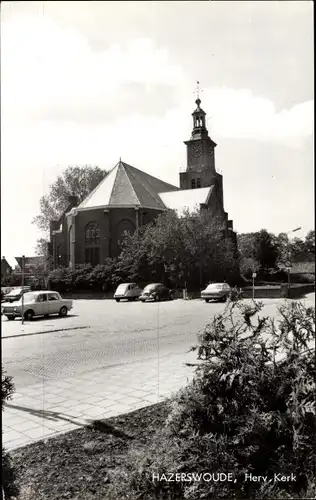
[
  {"x": 109, "y": 222},
  {"x": 145, "y": 216},
  {"x": 82, "y": 219}
]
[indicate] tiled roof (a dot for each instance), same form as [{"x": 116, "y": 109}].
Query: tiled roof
[
  {"x": 127, "y": 186},
  {"x": 186, "y": 199}
]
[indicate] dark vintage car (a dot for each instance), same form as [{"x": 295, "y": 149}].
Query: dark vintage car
[
  {"x": 156, "y": 291},
  {"x": 15, "y": 294}
]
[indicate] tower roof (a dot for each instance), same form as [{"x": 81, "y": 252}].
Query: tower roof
[
  {"x": 198, "y": 108},
  {"x": 127, "y": 186}
]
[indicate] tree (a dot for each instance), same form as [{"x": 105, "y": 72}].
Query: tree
[
  {"x": 75, "y": 180},
  {"x": 296, "y": 250},
  {"x": 258, "y": 250},
  {"x": 310, "y": 243},
  {"x": 266, "y": 251},
  {"x": 190, "y": 249}
]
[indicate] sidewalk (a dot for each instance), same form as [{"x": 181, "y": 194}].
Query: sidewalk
[
  {"x": 45, "y": 410},
  {"x": 15, "y": 328},
  {"x": 37, "y": 331}
]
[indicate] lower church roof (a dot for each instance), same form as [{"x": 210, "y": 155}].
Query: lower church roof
[{"x": 186, "y": 199}]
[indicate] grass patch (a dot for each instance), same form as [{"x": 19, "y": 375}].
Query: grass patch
[{"x": 82, "y": 464}]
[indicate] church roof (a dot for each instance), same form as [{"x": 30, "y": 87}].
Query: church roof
[
  {"x": 126, "y": 186},
  {"x": 186, "y": 199}
]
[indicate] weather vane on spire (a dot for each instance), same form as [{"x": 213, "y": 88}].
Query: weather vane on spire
[{"x": 198, "y": 90}]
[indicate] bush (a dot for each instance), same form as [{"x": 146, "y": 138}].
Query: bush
[
  {"x": 249, "y": 409},
  {"x": 9, "y": 485},
  {"x": 84, "y": 277}
]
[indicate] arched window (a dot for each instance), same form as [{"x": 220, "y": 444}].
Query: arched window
[
  {"x": 124, "y": 226},
  {"x": 193, "y": 184},
  {"x": 92, "y": 244},
  {"x": 198, "y": 183}
]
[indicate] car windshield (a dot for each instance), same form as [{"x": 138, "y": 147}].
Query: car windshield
[
  {"x": 30, "y": 297},
  {"x": 122, "y": 288},
  {"x": 151, "y": 287}
]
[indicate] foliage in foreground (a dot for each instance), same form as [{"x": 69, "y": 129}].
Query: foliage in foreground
[
  {"x": 249, "y": 409},
  {"x": 9, "y": 486}
]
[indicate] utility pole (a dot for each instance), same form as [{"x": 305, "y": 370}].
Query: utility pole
[
  {"x": 254, "y": 275},
  {"x": 288, "y": 267},
  {"x": 23, "y": 262}
]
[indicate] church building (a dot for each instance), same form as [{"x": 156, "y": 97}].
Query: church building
[{"x": 128, "y": 198}]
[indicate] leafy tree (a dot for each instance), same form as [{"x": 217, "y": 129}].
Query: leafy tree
[
  {"x": 266, "y": 250},
  {"x": 191, "y": 249},
  {"x": 296, "y": 250},
  {"x": 310, "y": 242},
  {"x": 249, "y": 409},
  {"x": 258, "y": 249},
  {"x": 75, "y": 180}
]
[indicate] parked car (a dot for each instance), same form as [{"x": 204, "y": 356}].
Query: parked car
[
  {"x": 129, "y": 291},
  {"x": 15, "y": 294},
  {"x": 156, "y": 291},
  {"x": 41, "y": 303},
  {"x": 216, "y": 291}
]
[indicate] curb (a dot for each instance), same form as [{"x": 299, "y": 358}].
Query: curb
[{"x": 47, "y": 331}]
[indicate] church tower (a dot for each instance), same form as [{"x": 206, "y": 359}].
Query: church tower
[{"x": 200, "y": 171}]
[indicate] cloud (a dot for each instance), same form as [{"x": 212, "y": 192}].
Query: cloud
[
  {"x": 52, "y": 73},
  {"x": 77, "y": 92},
  {"x": 240, "y": 114}
]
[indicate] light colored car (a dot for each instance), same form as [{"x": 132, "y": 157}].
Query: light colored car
[
  {"x": 128, "y": 291},
  {"x": 216, "y": 291},
  {"x": 39, "y": 303}
]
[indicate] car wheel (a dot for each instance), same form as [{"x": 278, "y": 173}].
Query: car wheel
[
  {"x": 224, "y": 298},
  {"x": 29, "y": 315},
  {"x": 142, "y": 300},
  {"x": 63, "y": 311},
  {"x": 10, "y": 318},
  {"x": 46, "y": 315},
  {"x": 117, "y": 300},
  {"x": 171, "y": 296},
  {"x": 207, "y": 300}
]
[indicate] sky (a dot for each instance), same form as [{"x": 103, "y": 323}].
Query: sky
[{"x": 90, "y": 82}]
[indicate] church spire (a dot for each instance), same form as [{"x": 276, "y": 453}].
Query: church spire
[{"x": 199, "y": 126}]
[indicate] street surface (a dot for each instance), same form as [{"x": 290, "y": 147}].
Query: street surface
[{"x": 105, "y": 358}]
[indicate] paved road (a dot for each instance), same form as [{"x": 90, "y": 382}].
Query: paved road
[
  {"x": 104, "y": 360},
  {"x": 108, "y": 334},
  {"x": 116, "y": 334}
]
